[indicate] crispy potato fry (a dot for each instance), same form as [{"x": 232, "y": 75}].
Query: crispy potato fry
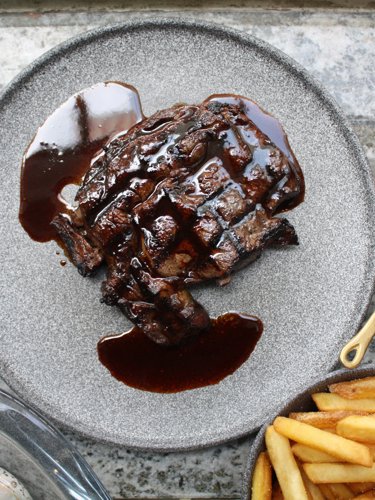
[
  {"x": 371, "y": 447},
  {"x": 336, "y": 446},
  {"x": 310, "y": 455},
  {"x": 326, "y": 492},
  {"x": 339, "y": 473},
  {"x": 335, "y": 491},
  {"x": 358, "y": 428},
  {"x": 261, "y": 486},
  {"x": 312, "y": 489},
  {"x": 285, "y": 466},
  {"x": 326, "y": 401},
  {"x": 368, "y": 495},
  {"x": 355, "y": 389},
  {"x": 340, "y": 491},
  {"x": 359, "y": 488},
  {"x": 324, "y": 419}
]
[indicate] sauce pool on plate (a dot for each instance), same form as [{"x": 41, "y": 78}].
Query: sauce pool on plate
[{"x": 204, "y": 360}]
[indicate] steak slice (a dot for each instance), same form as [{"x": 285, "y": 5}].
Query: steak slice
[{"x": 187, "y": 195}]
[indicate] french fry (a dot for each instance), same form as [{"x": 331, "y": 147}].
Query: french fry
[
  {"x": 335, "y": 491},
  {"x": 371, "y": 447},
  {"x": 339, "y": 473},
  {"x": 324, "y": 419},
  {"x": 326, "y": 401},
  {"x": 360, "y": 429},
  {"x": 355, "y": 389},
  {"x": 332, "y": 431},
  {"x": 368, "y": 495},
  {"x": 285, "y": 466},
  {"x": 262, "y": 479},
  {"x": 340, "y": 491},
  {"x": 310, "y": 455},
  {"x": 326, "y": 492},
  {"x": 336, "y": 446},
  {"x": 312, "y": 489},
  {"x": 359, "y": 488}
]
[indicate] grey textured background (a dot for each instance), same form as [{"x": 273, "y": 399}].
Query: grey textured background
[{"x": 337, "y": 46}]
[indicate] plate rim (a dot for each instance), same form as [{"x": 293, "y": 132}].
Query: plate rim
[{"x": 185, "y": 443}]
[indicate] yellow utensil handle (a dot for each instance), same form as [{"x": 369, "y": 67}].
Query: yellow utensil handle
[{"x": 358, "y": 344}]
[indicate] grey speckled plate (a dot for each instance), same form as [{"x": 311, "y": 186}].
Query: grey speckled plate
[{"x": 311, "y": 298}]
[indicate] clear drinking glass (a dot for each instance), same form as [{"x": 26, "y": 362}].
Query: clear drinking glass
[{"x": 41, "y": 458}]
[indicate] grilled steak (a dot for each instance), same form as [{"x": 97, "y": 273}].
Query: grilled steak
[{"x": 187, "y": 195}]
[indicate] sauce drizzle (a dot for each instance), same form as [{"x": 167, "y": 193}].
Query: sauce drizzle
[
  {"x": 204, "y": 360},
  {"x": 64, "y": 146}
]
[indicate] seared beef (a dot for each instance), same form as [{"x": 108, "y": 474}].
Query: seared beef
[{"x": 185, "y": 196}]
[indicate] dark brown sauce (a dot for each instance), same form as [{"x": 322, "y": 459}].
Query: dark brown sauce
[
  {"x": 204, "y": 360},
  {"x": 64, "y": 146}
]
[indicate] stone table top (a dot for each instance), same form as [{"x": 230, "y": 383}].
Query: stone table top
[{"x": 338, "y": 47}]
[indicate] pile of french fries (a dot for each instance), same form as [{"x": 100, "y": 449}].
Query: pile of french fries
[{"x": 324, "y": 454}]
